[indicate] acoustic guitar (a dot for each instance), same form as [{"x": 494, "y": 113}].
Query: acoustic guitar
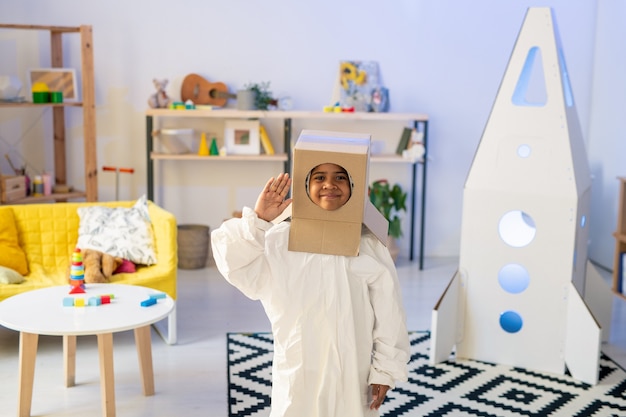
[{"x": 201, "y": 91}]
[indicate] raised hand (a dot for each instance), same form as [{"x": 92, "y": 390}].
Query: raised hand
[{"x": 271, "y": 202}]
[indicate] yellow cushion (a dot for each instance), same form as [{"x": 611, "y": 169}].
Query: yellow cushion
[{"x": 11, "y": 254}]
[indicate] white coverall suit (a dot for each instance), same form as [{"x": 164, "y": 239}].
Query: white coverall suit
[{"x": 338, "y": 321}]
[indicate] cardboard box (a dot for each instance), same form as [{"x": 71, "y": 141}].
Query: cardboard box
[
  {"x": 12, "y": 188},
  {"x": 336, "y": 232}
]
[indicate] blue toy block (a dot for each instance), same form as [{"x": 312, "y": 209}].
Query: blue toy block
[
  {"x": 95, "y": 301},
  {"x": 149, "y": 302},
  {"x": 157, "y": 296},
  {"x": 68, "y": 302}
]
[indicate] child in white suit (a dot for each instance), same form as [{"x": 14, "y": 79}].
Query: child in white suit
[{"x": 340, "y": 336}]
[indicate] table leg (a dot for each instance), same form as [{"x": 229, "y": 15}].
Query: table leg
[
  {"x": 144, "y": 352},
  {"x": 107, "y": 380},
  {"x": 69, "y": 359},
  {"x": 28, "y": 354}
]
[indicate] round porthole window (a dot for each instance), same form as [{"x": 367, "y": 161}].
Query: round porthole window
[
  {"x": 511, "y": 322},
  {"x": 516, "y": 228},
  {"x": 523, "y": 151},
  {"x": 513, "y": 278}
]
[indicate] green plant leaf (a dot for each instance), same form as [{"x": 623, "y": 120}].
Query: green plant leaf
[
  {"x": 389, "y": 200},
  {"x": 395, "y": 228}
]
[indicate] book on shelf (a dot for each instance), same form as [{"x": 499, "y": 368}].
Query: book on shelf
[
  {"x": 621, "y": 284},
  {"x": 405, "y": 138},
  {"x": 265, "y": 141}
]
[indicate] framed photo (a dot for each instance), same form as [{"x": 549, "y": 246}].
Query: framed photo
[
  {"x": 241, "y": 137},
  {"x": 57, "y": 79}
]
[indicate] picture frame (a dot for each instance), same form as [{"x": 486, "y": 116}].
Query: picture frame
[
  {"x": 241, "y": 137},
  {"x": 57, "y": 79}
]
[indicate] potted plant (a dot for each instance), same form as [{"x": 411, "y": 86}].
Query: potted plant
[
  {"x": 262, "y": 96},
  {"x": 390, "y": 201}
]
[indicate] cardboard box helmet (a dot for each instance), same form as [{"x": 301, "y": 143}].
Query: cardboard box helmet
[{"x": 333, "y": 232}]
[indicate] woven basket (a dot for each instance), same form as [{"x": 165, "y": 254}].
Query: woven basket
[{"x": 193, "y": 246}]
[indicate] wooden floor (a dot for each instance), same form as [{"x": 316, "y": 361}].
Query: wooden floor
[{"x": 190, "y": 377}]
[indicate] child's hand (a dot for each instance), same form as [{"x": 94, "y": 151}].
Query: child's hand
[
  {"x": 271, "y": 201},
  {"x": 379, "y": 392}
]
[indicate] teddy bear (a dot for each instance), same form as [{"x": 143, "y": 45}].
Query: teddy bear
[
  {"x": 99, "y": 266},
  {"x": 159, "y": 100}
]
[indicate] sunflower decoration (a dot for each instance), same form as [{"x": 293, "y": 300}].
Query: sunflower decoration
[
  {"x": 357, "y": 82},
  {"x": 351, "y": 75}
]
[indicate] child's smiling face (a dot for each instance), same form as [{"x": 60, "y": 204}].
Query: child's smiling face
[{"x": 329, "y": 186}]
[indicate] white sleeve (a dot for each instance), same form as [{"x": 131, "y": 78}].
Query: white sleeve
[
  {"x": 238, "y": 247},
  {"x": 390, "y": 336}
]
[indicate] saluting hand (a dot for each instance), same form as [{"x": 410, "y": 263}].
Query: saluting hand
[{"x": 271, "y": 202}]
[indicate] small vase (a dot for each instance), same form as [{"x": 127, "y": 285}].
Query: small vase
[
  {"x": 245, "y": 100},
  {"x": 394, "y": 250}
]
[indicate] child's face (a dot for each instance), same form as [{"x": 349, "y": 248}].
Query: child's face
[{"x": 329, "y": 186}]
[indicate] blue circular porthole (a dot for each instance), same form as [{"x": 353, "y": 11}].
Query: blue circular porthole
[
  {"x": 511, "y": 322},
  {"x": 523, "y": 151},
  {"x": 513, "y": 278}
]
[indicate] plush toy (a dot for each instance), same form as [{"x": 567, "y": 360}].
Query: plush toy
[
  {"x": 99, "y": 266},
  {"x": 159, "y": 100}
]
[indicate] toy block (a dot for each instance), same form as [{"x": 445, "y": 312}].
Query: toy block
[
  {"x": 68, "y": 302},
  {"x": 95, "y": 301},
  {"x": 79, "y": 302},
  {"x": 157, "y": 296},
  {"x": 149, "y": 302},
  {"x": 106, "y": 299}
]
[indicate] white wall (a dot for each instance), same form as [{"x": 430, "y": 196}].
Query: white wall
[
  {"x": 607, "y": 144},
  {"x": 440, "y": 57}
]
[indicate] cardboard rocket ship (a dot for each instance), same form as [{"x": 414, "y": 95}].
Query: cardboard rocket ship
[{"x": 517, "y": 297}]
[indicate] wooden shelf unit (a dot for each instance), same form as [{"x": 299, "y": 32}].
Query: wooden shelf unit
[
  {"x": 419, "y": 121},
  {"x": 58, "y": 112},
  {"x": 281, "y": 157},
  {"x": 620, "y": 240}
]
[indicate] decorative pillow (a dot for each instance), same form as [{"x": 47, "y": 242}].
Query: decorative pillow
[
  {"x": 11, "y": 255},
  {"x": 118, "y": 231},
  {"x": 10, "y": 276}
]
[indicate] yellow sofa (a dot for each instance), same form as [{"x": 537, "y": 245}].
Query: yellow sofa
[{"x": 48, "y": 233}]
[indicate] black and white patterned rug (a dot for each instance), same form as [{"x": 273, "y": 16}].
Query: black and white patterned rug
[{"x": 452, "y": 389}]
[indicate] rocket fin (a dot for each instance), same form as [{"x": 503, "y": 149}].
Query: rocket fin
[
  {"x": 582, "y": 340},
  {"x": 599, "y": 298},
  {"x": 446, "y": 321}
]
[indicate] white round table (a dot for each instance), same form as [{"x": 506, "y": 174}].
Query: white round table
[{"x": 41, "y": 312}]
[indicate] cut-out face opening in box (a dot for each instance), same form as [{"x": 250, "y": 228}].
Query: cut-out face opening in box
[{"x": 329, "y": 186}]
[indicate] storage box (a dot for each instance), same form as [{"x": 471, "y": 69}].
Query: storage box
[
  {"x": 336, "y": 232},
  {"x": 173, "y": 140},
  {"x": 12, "y": 187}
]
